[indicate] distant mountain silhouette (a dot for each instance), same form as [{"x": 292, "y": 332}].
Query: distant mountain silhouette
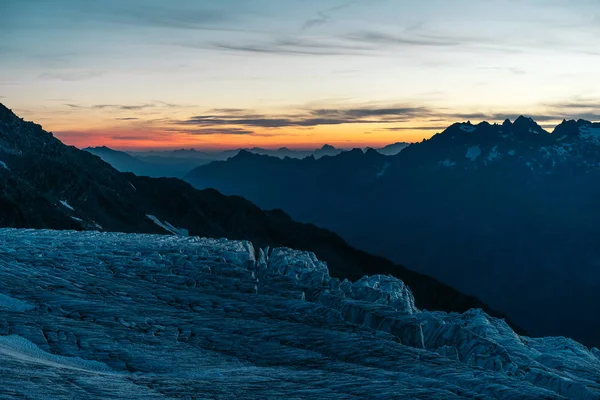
[
  {"x": 507, "y": 211},
  {"x": 121, "y": 160},
  {"x": 178, "y": 163},
  {"x": 46, "y": 184},
  {"x": 393, "y": 149}
]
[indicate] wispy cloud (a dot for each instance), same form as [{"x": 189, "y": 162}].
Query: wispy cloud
[
  {"x": 416, "y": 128},
  {"x": 324, "y": 16},
  {"x": 167, "y": 15},
  {"x": 239, "y": 119},
  {"x": 70, "y": 76},
  {"x": 576, "y": 108},
  {"x": 140, "y": 138},
  {"x": 125, "y": 107},
  {"x": 126, "y": 119},
  {"x": 307, "y": 118},
  {"x": 381, "y": 38},
  {"x": 213, "y": 131},
  {"x": 295, "y": 46},
  {"x": 576, "y": 104}
]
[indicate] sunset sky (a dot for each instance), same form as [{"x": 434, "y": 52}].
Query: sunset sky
[{"x": 298, "y": 73}]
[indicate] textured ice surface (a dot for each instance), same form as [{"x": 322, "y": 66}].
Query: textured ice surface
[
  {"x": 13, "y": 304},
  {"x": 107, "y": 315}
]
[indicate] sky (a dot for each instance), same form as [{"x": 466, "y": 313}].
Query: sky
[{"x": 213, "y": 74}]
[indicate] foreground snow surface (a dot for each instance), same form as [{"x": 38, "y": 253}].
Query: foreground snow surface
[{"x": 106, "y": 315}]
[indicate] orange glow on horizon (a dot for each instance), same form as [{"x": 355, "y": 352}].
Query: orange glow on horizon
[
  {"x": 342, "y": 136},
  {"x": 91, "y": 128}
]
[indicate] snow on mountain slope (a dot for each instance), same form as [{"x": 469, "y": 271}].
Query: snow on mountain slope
[
  {"x": 149, "y": 316},
  {"x": 572, "y": 144}
]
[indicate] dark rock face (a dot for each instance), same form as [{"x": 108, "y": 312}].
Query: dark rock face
[
  {"x": 133, "y": 316},
  {"x": 506, "y": 212},
  {"x": 46, "y": 184}
]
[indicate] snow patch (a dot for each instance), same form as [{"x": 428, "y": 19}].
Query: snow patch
[
  {"x": 64, "y": 203},
  {"x": 493, "y": 154},
  {"x": 447, "y": 163},
  {"x": 473, "y": 153},
  {"x": 382, "y": 172},
  {"x": 14, "y": 304},
  {"x": 530, "y": 165},
  {"x": 131, "y": 184},
  {"x": 3, "y": 164},
  {"x": 21, "y": 348},
  {"x": 590, "y": 132},
  {"x": 468, "y": 128},
  {"x": 512, "y": 152},
  {"x": 168, "y": 227},
  {"x": 546, "y": 152},
  {"x": 77, "y": 219}
]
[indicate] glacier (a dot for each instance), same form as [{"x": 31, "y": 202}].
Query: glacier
[{"x": 112, "y": 315}]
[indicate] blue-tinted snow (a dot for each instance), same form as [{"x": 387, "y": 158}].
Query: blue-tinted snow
[{"x": 148, "y": 316}]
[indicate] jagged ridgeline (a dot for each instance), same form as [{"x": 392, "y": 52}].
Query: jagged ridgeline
[
  {"x": 134, "y": 316},
  {"x": 45, "y": 184},
  {"x": 507, "y": 212}
]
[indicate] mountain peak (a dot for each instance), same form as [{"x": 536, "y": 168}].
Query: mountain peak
[
  {"x": 6, "y": 113},
  {"x": 356, "y": 150},
  {"x": 525, "y": 121},
  {"x": 245, "y": 154}
]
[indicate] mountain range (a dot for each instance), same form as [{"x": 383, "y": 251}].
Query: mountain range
[
  {"x": 506, "y": 211},
  {"x": 177, "y": 163},
  {"x": 46, "y": 184}
]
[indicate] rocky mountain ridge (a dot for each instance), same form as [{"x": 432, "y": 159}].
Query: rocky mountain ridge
[
  {"x": 488, "y": 208},
  {"x": 45, "y": 184}
]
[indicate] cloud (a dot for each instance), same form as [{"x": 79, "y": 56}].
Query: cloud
[
  {"x": 126, "y": 119},
  {"x": 294, "y": 46},
  {"x": 406, "y": 111},
  {"x": 214, "y": 131},
  {"x": 153, "y": 138},
  {"x": 244, "y": 121},
  {"x": 416, "y": 128},
  {"x": 478, "y": 116},
  {"x": 126, "y": 107},
  {"x": 307, "y": 118},
  {"x": 379, "y": 38},
  {"x": 324, "y": 16},
  {"x": 164, "y": 16},
  {"x": 577, "y": 106},
  {"x": 357, "y": 44},
  {"x": 70, "y": 76}
]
